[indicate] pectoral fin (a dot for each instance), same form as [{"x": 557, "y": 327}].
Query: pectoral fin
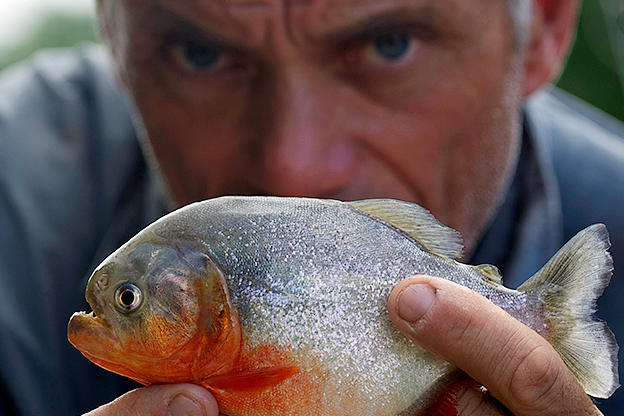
[{"x": 256, "y": 380}]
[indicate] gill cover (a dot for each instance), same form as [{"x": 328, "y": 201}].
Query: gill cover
[{"x": 159, "y": 296}]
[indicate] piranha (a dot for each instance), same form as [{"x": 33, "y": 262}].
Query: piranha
[{"x": 278, "y": 306}]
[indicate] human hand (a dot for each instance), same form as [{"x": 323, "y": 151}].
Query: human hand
[
  {"x": 161, "y": 400},
  {"x": 518, "y": 367}
]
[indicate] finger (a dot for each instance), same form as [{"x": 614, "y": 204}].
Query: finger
[
  {"x": 162, "y": 400},
  {"x": 518, "y": 366}
]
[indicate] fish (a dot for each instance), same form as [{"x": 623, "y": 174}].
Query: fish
[{"x": 278, "y": 306}]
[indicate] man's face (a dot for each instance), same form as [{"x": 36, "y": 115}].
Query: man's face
[{"x": 348, "y": 99}]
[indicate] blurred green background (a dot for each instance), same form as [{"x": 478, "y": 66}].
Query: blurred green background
[{"x": 591, "y": 72}]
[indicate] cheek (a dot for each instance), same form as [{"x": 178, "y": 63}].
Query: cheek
[
  {"x": 198, "y": 147},
  {"x": 195, "y": 126},
  {"x": 159, "y": 337},
  {"x": 459, "y": 122},
  {"x": 165, "y": 323}
]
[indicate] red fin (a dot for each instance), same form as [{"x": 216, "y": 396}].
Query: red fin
[
  {"x": 255, "y": 380},
  {"x": 141, "y": 381},
  {"x": 446, "y": 405}
]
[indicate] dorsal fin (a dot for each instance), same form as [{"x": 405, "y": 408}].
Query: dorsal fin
[
  {"x": 490, "y": 273},
  {"x": 416, "y": 222}
]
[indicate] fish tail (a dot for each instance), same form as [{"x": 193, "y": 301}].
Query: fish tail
[{"x": 569, "y": 285}]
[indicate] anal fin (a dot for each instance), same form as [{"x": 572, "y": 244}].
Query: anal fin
[
  {"x": 446, "y": 404},
  {"x": 441, "y": 399}
]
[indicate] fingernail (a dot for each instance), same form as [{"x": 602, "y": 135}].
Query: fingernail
[
  {"x": 182, "y": 405},
  {"x": 415, "y": 301}
]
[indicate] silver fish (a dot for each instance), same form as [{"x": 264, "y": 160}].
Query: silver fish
[{"x": 278, "y": 305}]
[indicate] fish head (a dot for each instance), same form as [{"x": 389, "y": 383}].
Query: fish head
[{"x": 156, "y": 306}]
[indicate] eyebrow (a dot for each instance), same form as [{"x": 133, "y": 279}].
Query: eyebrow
[
  {"x": 174, "y": 26},
  {"x": 422, "y": 20}
]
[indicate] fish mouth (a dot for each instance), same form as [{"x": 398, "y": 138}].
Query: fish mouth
[{"x": 91, "y": 335}]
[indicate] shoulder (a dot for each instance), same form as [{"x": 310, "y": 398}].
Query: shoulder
[
  {"x": 585, "y": 148},
  {"x": 62, "y": 99},
  {"x": 67, "y": 146}
]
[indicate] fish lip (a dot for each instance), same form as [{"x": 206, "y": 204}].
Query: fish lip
[
  {"x": 90, "y": 315},
  {"x": 90, "y": 333},
  {"x": 93, "y": 337},
  {"x": 80, "y": 322}
]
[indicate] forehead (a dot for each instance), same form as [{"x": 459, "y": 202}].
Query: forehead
[{"x": 308, "y": 15}]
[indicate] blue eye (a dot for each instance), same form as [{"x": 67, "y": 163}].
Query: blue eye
[
  {"x": 200, "y": 57},
  {"x": 392, "y": 46}
]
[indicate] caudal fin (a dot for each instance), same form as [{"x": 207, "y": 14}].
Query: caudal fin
[{"x": 569, "y": 285}]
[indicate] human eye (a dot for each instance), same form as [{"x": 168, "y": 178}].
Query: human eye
[
  {"x": 198, "y": 57},
  {"x": 391, "y": 47},
  {"x": 392, "y": 50},
  {"x": 193, "y": 65},
  {"x": 387, "y": 58}
]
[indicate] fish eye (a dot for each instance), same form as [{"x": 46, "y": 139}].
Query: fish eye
[{"x": 128, "y": 297}]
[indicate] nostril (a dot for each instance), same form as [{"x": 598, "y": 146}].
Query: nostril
[{"x": 102, "y": 282}]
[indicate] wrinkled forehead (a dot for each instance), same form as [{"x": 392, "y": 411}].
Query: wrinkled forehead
[
  {"x": 256, "y": 21},
  {"x": 259, "y": 6}
]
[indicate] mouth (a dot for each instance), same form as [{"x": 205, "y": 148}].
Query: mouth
[
  {"x": 91, "y": 334},
  {"x": 91, "y": 315},
  {"x": 94, "y": 338},
  {"x": 92, "y": 301}
]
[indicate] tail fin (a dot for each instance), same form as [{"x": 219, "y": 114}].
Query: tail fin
[{"x": 569, "y": 285}]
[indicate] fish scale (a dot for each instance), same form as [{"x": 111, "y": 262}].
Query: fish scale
[
  {"x": 287, "y": 283},
  {"x": 340, "y": 281}
]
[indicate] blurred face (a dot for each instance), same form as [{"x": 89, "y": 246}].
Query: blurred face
[{"x": 349, "y": 99}]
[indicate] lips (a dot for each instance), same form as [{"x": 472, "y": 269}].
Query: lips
[
  {"x": 91, "y": 334},
  {"x": 94, "y": 338}
]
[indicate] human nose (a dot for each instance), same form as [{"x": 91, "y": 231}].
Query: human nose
[{"x": 304, "y": 148}]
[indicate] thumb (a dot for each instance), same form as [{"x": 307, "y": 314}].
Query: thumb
[
  {"x": 518, "y": 366},
  {"x": 162, "y": 400}
]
